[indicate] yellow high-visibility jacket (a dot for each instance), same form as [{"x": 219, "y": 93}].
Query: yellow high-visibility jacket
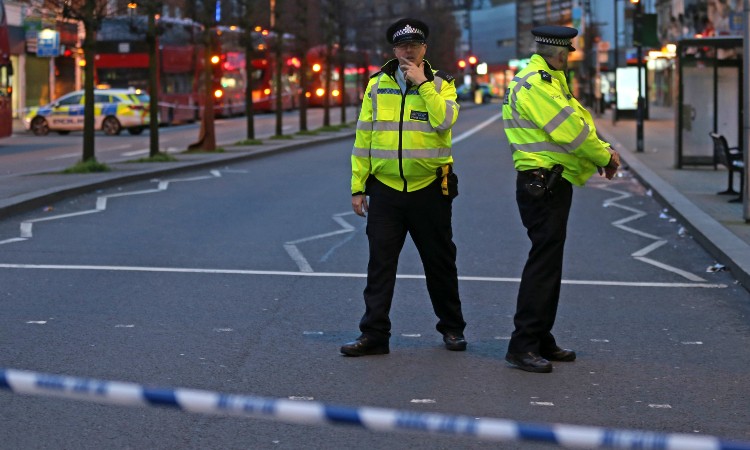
[
  {"x": 545, "y": 125},
  {"x": 403, "y": 138}
]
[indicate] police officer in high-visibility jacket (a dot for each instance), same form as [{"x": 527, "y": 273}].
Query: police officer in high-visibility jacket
[
  {"x": 555, "y": 146},
  {"x": 402, "y": 161}
]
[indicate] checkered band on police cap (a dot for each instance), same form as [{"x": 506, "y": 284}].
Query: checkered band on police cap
[{"x": 556, "y": 35}]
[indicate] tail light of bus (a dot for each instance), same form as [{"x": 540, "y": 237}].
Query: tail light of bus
[
  {"x": 218, "y": 93},
  {"x": 320, "y": 92},
  {"x": 308, "y": 94},
  {"x": 267, "y": 91},
  {"x": 335, "y": 93}
]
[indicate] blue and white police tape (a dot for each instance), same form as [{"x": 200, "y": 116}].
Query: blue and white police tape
[{"x": 374, "y": 419}]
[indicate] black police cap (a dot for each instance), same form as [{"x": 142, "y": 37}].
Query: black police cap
[
  {"x": 407, "y": 30},
  {"x": 556, "y": 35}
]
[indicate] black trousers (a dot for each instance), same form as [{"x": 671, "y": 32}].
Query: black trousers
[
  {"x": 426, "y": 215},
  {"x": 546, "y": 222}
]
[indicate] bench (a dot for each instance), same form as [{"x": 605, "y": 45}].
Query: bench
[{"x": 733, "y": 159}]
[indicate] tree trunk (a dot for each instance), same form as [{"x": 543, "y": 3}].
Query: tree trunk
[
  {"x": 207, "y": 137},
  {"x": 327, "y": 98},
  {"x": 89, "y": 50},
  {"x": 153, "y": 88},
  {"x": 277, "y": 77},
  {"x": 249, "y": 110}
]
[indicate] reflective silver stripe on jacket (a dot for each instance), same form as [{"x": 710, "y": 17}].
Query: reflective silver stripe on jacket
[
  {"x": 553, "y": 147},
  {"x": 520, "y": 84},
  {"x": 558, "y": 120},
  {"x": 407, "y": 126},
  {"x": 412, "y": 154},
  {"x": 361, "y": 152},
  {"x": 374, "y": 98}
]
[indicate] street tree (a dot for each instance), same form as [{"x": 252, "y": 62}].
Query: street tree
[
  {"x": 90, "y": 13},
  {"x": 203, "y": 12}
]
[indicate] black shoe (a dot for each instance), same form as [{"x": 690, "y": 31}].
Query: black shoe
[
  {"x": 364, "y": 346},
  {"x": 559, "y": 354},
  {"x": 530, "y": 362},
  {"x": 454, "y": 342}
]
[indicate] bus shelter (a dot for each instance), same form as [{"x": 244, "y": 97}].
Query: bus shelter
[{"x": 709, "y": 97}]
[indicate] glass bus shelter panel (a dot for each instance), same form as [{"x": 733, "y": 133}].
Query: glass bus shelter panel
[
  {"x": 697, "y": 114},
  {"x": 728, "y": 110}
]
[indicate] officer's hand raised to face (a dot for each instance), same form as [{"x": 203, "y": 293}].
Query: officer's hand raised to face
[{"x": 412, "y": 72}]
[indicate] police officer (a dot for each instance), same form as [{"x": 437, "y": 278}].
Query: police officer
[
  {"x": 555, "y": 146},
  {"x": 402, "y": 161}
]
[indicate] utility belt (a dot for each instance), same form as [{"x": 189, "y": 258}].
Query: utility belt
[
  {"x": 540, "y": 182},
  {"x": 449, "y": 181}
]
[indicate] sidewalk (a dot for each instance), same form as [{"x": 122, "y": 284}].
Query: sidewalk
[{"x": 689, "y": 193}]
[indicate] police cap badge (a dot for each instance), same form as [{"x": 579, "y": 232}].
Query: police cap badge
[{"x": 555, "y": 35}]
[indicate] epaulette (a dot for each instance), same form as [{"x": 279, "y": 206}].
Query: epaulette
[
  {"x": 445, "y": 75},
  {"x": 545, "y": 76},
  {"x": 376, "y": 74}
]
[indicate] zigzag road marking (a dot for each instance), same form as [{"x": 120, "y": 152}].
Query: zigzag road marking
[
  {"x": 101, "y": 205},
  {"x": 640, "y": 255},
  {"x": 296, "y": 254}
]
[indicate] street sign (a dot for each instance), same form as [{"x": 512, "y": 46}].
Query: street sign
[{"x": 48, "y": 43}]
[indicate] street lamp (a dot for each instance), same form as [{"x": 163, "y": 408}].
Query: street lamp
[{"x": 638, "y": 40}]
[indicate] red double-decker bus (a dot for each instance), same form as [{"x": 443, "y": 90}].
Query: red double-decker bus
[
  {"x": 122, "y": 62},
  {"x": 232, "y": 71},
  {"x": 6, "y": 70},
  {"x": 357, "y": 71}
]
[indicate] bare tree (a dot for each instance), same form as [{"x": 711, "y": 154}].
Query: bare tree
[
  {"x": 90, "y": 13},
  {"x": 245, "y": 17},
  {"x": 204, "y": 13}
]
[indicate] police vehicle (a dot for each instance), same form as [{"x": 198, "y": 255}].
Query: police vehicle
[{"x": 114, "y": 109}]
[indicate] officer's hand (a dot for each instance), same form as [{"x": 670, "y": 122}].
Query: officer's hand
[
  {"x": 610, "y": 170},
  {"x": 359, "y": 205},
  {"x": 412, "y": 72}
]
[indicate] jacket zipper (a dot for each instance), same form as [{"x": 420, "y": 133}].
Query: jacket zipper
[{"x": 400, "y": 137}]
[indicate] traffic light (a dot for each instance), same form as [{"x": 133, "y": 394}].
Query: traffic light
[
  {"x": 461, "y": 64},
  {"x": 472, "y": 60}
]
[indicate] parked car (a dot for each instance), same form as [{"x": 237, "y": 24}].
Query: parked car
[
  {"x": 465, "y": 94},
  {"x": 114, "y": 109}
]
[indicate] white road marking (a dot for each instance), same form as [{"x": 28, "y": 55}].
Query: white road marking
[
  {"x": 422, "y": 400},
  {"x": 652, "y": 405},
  {"x": 541, "y": 404},
  {"x": 37, "y": 322},
  {"x": 640, "y": 255},
  {"x": 412, "y": 335},
  {"x": 339, "y": 275},
  {"x": 692, "y": 343},
  {"x": 64, "y": 156},
  {"x": 466, "y": 134},
  {"x": 101, "y": 205},
  {"x": 297, "y": 256}
]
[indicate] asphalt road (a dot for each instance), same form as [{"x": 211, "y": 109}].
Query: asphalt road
[{"x": 208, "y": 284}]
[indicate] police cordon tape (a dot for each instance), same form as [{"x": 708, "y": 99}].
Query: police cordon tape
[{"x": 373, "y": 419}]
